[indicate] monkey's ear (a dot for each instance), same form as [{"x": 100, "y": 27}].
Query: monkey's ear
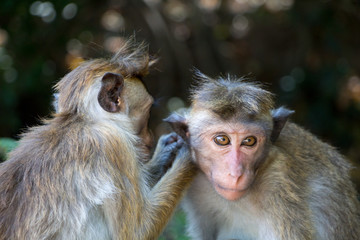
[
  {"x": 280, "y": 116},
  {"x": 179, "y": 125},
  {"x": 109, "y": 94}
]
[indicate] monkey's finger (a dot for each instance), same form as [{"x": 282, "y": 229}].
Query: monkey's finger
[
  {"x": 180, "y": 142},
  {"x": 171, "y": 138}
]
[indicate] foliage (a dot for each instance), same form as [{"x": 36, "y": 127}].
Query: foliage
[
  {"x": 6, "y": 145},
  {"x": 176, "y": 228}
]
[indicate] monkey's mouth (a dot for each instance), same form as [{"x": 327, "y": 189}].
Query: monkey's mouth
[
  {"x": 229, "y": 189},
  {"x": 229, "y": 193}
]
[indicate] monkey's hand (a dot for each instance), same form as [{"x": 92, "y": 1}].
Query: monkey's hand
[
  {"x": 164, "y": 155},
  {"x": 166, "y": 149}
]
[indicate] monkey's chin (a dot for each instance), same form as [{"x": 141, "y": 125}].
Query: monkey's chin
[{"x": 229, "y": 194}]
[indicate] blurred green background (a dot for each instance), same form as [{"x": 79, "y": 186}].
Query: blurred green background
[{"x": 307, "y": 52}]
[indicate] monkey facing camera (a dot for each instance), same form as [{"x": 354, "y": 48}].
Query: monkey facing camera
[
  {"x": 85, "y": 173},
  {"x": 262, "y": 177}
]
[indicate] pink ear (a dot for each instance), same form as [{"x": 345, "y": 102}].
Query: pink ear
[
  {"x": 109, "y": 96},
  {"x": 179, "y": 125}
]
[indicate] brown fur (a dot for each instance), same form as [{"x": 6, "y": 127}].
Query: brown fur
[
  {"x": 301, "y": 188},
  {"x": 80, "y": 175}
]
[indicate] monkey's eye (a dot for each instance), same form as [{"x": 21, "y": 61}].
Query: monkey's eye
[
  {"x": 249, "y": 141},
  {"x": 222, "y": 140}
]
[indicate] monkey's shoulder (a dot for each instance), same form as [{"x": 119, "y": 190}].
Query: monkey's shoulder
[{"x": 302, "y": 144}]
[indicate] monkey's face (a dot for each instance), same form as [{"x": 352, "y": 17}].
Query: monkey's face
[
  {"x": 139, "y": 102},
  {"x": 227, "y": 152}
]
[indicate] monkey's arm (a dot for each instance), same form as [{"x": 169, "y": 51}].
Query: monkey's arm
[{"x": 167, "y": 193}]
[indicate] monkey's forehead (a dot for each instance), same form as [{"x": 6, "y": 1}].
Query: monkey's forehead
[
  {"x": 232, "y": 128},
  {"x": 204, "y": 116},
  {"x": 228, "y": 112}
]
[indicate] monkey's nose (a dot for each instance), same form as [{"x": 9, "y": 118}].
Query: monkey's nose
[
  {"x": 236, "y": 180},
  {"x": 236, "y": 170}
]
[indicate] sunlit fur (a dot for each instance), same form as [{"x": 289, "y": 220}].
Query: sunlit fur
[
  {"x": 230, "y": 96},
  {"x": 132, "y": 60},
  {"x": 302, "y": 188},
  {"x": 80, "y": 174}
]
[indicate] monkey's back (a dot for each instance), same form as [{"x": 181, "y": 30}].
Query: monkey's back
[
  {"x": 50, "y": 188},
  {"x": 328, "y": 190}
]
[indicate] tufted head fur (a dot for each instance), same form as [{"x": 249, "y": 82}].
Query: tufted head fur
[
  {"x": 131, "y": 61},
  {"x": 228, "y": 97}
]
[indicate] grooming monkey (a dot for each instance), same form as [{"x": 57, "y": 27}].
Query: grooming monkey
[
  {"x": 261, "y": 178},
  {"x": 85, "y": 174}
]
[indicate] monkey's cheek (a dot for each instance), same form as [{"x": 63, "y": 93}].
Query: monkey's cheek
[{"x": 230, "y": 195}]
